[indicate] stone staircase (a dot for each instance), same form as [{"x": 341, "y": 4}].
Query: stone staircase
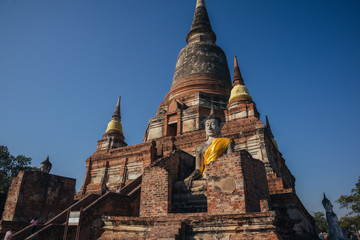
[
  {"x": 60, "y": 219},
  {"x": 189, "y": 203},
  {"x": 91, "y": 205}
]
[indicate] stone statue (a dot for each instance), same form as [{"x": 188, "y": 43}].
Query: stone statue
[
  {"x": 207, "y": 152},
  {"x": 335, "y": 231},
  {"x": 46, "y": 165}
]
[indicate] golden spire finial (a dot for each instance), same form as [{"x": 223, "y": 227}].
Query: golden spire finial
[
  {"x": 239, "y": 89},
  {"x": 115, "y": 123}
]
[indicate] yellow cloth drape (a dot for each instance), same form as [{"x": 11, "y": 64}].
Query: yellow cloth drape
[{"x": 215, "y": 150}]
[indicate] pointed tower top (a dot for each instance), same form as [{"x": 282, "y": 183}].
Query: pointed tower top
[
  {"x": 238, "y": 79},
  {"x": 117, "y": 113},
  {"x": 201, "y": 28},
  {"x": 239, "y": 89},
  {"x": 115, "y": 123},
  {"x": 200, "y": 3}
]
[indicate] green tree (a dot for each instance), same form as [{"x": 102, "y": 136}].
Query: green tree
[
  {"x": 321, "y": 222},
  {"x": 10, "y": 167},
  {"x": 351, "y": 221}
]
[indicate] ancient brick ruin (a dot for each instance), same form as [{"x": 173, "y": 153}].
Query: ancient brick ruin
[
  {"x": 249, "y": 193},
  {"x": 36, "y": 194}
]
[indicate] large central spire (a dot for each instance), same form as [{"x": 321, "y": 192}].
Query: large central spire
[
  {"x": 201, "y": 27},
  {"x": 201, "y": 82},
  {"x": 201, "y": 65}
]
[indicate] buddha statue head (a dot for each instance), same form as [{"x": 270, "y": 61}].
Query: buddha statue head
[
  {"x": 46, "y": 165},
  {"x": 212, "y": 125}
]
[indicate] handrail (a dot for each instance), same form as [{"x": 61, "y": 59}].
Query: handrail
[
  {"x": 22, "y": 231},
  {"x": 131, "y": 186},
  {"x": 75, "y": 205},
  {"x": 57, "y": 217},
  {"x": 134, "y": 190},
  {"x": 96, "y": 201},
  {"x": 93, "y": 199},
  {"x": 41, "y": 230}
]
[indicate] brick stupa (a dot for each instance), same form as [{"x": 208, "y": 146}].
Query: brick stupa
[{"x": 250, "y": 193}]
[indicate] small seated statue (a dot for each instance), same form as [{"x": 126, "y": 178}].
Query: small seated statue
[{"x": 207, "y": 152}]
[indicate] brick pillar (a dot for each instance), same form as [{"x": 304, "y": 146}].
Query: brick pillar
[
  {"x": 147, "y": 154},
  {"x": 225, "y": 189},
  {"x": 154, "y": 192},
  {"x": 236, "y": 184},
  {"x": 179, "y": 123}
]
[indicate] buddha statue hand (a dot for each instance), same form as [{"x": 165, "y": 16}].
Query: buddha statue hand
[{"x": 188, "y": 181}]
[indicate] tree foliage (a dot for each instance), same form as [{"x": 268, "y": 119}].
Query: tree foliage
[
  {"x": 10, "y": 167},
  {"x": 321, "y": 222},
  {"x": 351, "y": 202},
  {"x": 350, "y": 222}
]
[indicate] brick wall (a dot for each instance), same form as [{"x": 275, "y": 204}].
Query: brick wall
[
  {"x": 154, "y": 192},
  {"x": 156, "y": 186},
  {"x": 225, "y": 171},
  {"x": 279, "y": 164},
  {"x": 255, "y": 182},
  {"x": 12, "y": 197},
  {"x": 34, "y": 193},
  {"x": 236, "y": 184},
  {"x": 251, "y": 226}
]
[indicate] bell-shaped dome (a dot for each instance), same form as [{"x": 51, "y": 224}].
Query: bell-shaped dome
[
  {"x": 114, "y": 125},
  {"x": 202, "y": 58},
  {"x": 239, "y": 91}
]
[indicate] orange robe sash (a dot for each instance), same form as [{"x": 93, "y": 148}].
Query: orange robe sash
[{"x": 215, "y": 150}]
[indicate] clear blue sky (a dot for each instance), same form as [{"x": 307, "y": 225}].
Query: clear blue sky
[{"x": 64, "y": 63}]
